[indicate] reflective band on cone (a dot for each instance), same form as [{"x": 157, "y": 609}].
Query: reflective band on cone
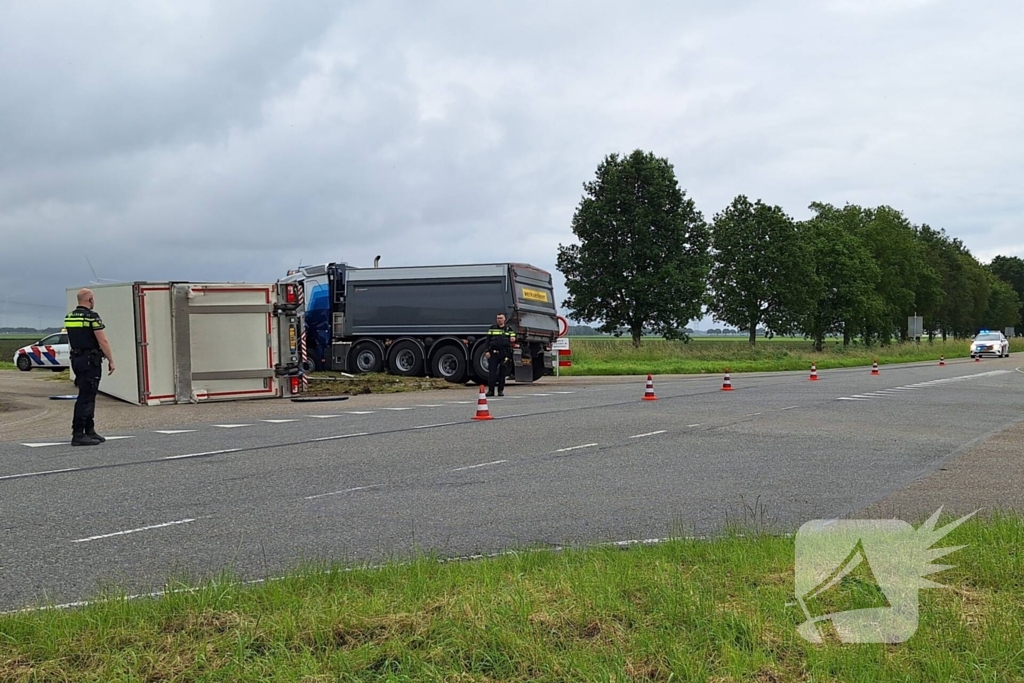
[
  {"x": 874, "y": 368},
  {"x": 727, "y": 383},
  {"x": 942, "y": 360},
  {"x": 482, "y": 413},
  {"x": 649, "y": 391},
  {"x": 814, "y": 372}
]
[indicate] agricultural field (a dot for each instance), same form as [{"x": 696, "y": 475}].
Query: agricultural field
[
  {"x": 617, "y": 356},
  {"x": 9, "y": 343}
]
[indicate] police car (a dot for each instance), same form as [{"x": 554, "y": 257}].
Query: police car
[
  {"x": 990, "y": 344},
  {"x": 51, "y": 352}
]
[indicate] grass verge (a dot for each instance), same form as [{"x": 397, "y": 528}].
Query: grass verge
[
  {"x": 334, "y": 384},
  {"x": 663, "y": 357},
  {"x": 681, "y": 610},
  {"x": 6, "y": 365}
]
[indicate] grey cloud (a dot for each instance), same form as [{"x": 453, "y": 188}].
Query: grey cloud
[{"x": 175, "y": 141}]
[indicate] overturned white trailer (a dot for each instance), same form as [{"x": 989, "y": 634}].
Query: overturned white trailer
[{"x": 185, "y": 342}]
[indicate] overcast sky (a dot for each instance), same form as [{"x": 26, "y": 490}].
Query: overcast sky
[{"x": 232, "y": 140}]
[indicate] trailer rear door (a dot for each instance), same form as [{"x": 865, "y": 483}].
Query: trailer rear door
[{"x": 535, "y": 300}]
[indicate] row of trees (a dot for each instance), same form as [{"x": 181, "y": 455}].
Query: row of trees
[{"x": 647, "y": 259}]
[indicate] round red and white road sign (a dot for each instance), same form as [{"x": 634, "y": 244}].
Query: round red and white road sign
[{"x": 563, "y": 326}]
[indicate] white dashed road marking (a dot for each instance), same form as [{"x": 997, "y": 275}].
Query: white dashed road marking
[
  {"x": 340, "y": 436},
  {"x": 174, "y": 431},
  {"x": 334, "y": 493},
  {"x": 638, "y": 436},
  {"x": 574, "y": 448},
  {"x": 483, "y": 464},
  {"x": 232, "y": 426},
  {"x": 277, "y": 422},
  {"x": 132, "y": 531},
  {"x": 199, "y": 455},
  {"x": 48, "y": 443},
  {"x": 37, "y": 474}
]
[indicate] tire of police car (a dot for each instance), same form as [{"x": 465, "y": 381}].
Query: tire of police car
[
  {"x": 448, "y": 363},
  {"x": 366, "y": 357},
  {"x": 406, "y": 359},
  {"x": 24, "y": 364}
]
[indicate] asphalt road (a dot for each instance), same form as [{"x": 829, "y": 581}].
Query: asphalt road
[{"x": 349, "y": 482}]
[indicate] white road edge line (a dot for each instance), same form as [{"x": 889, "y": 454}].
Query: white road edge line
[
  {"x": 36, "y": 474},
  {"x": 199, "y": 455},
  {"x": 638, "y": 436},
  {"x": 483, "y": 464},
  {"x": 847, "y": 398},
  {"x": 334, "y": 493},
  {"x": 574, "y": 448},
  {"x": 132, "y": 531},
  {"x": 340, "y": 436},
  {"x": 47, "y": 443},
  {"x": 692, "y": 426},
  {"x": 790, "y": 408}
]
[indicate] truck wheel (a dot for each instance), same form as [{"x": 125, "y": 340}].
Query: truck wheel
[
  {"x": 24, "y": 364},
  {"x": 450, "y": 363},
  {"x": 538, "y": 367},
  {"x": 480, "y": 367},
  {"x": 406, "y": 359},
  {"x": 366, "y": 357}
]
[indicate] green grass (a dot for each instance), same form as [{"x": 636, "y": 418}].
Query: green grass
[
  {"x": 600, "y": 356},
  {"x": 683, "y": 610},
  {"x": 6, "y": 365},
  {"x": 335, "y": 384}
]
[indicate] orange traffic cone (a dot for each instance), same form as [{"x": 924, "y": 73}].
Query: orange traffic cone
[
  {"x": 727, "y": 383},
  {"x": 874, "y": 368},
  {"x": 942, "y": 360},
  {"x": 814, "y": 372},
  {"x": 649, "y": 391},
  {"x": 977, "y": 359},
  {"x": 482, "y": 413}
]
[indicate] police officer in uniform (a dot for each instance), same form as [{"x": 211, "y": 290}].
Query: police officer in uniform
[
  {"x": 89, "y": 346},
  {"x": 500, "y": 338}
]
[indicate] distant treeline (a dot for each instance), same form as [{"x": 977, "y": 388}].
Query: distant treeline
[
  {"x": 29, "y": 330},
  {"x": 647, "y": 260}
]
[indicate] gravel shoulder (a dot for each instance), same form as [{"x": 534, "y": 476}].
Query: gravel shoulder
[{"x": 986, "y": 477}]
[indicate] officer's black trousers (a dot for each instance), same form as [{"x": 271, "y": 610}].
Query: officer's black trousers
[
  {"x": 88, "y": 371},
  {"x": 497, "y": 371}
]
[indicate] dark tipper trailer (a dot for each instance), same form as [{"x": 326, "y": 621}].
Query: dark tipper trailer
[{"x": 433, "y": 320}]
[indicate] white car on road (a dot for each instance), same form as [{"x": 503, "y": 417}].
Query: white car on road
[
  {"x": 990, "y": 344},
  {"x": 51, "y": 352}
]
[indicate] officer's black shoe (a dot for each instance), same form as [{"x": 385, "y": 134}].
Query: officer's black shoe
[
  {"x": 490, "y": 394},
  {"x": 501, "y": 393},
  {"x": 80, "y": 438},
  {"x": 90, "y": 430}
]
